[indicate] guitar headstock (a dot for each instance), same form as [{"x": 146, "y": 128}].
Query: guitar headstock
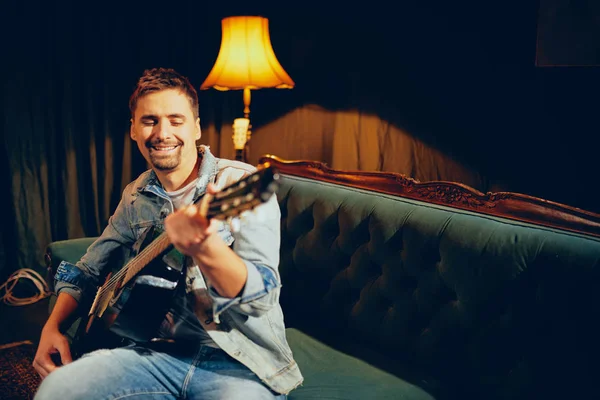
[{"x": 245, "y": 194}]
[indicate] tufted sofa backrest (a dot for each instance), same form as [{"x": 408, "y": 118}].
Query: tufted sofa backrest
[{"x": 466, "y": 299}]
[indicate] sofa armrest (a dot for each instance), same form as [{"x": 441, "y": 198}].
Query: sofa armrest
[{"x": 70, "y": 250}]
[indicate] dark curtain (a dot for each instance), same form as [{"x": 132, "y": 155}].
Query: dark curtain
[
  {"x": 66, "y": 153},
  {"x": 568, "y": 33},
  {"x": 65, "y": 132}
]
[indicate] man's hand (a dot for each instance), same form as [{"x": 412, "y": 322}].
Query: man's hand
[
  {"x": 52, "y": 342},
  {"x": 189, "y": 230},
  {"x": 193, "y": 235}
]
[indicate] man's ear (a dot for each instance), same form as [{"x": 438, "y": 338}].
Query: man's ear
[
  {"x": 198, "y": 130},
  {"x": 132, "y": 130}
]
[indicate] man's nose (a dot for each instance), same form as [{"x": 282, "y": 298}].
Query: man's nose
[{"x": 163, "y": 129}]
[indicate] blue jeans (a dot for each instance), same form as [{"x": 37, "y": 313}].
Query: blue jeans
[{"x": 137, "y": 372}]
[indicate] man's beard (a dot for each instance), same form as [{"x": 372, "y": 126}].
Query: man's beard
[{"x": 165, "y": 162}]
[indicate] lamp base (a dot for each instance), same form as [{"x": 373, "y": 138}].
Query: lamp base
[{"x": 239, "y": 155}]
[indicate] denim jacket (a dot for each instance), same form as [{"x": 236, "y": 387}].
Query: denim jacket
[{"x": 250, "y": 327}]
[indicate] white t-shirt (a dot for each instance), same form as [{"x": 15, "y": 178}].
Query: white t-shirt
[{"x": 181, "y": 322}]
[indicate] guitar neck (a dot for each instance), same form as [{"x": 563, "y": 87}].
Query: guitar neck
[{"x": 150, "y": 252}]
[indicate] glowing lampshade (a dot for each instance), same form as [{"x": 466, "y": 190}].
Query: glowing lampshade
[{"x": 246, "y": 59}]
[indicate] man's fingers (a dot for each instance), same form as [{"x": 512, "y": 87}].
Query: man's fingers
[
  {"x": 191, "y": 210},
  {"x": 212, "y": 188},
  {"x": 42, "y": 373},
  {"x": 39, "y": 369},
  {"x": 44, "y": 365},
  {"x": 65, "y": 353},
  {"x": 195, "y": 212}
]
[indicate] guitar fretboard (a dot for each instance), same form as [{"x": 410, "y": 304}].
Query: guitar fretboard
[{"x": 150, "y": 252}]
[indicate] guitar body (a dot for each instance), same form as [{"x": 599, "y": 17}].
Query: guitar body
[{"x": 132, "y": 311}]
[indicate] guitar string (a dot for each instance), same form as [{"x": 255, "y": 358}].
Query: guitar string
[{"x": 112, "y": 282}]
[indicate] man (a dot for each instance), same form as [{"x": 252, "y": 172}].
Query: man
[{"x": 224, "y": 336}]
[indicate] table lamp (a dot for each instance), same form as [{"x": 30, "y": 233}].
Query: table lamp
[{"x": 246, "y": 61}]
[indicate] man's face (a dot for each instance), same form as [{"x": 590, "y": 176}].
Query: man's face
[{"x": 165, "y": 130}]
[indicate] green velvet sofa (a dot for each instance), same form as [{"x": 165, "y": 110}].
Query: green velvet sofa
[{"x": 398, "y": 289}]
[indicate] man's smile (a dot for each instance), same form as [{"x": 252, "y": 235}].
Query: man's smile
[{"x": 162, "y": 148}]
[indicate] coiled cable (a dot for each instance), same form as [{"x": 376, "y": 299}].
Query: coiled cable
[{"x": 9, "y": 286}]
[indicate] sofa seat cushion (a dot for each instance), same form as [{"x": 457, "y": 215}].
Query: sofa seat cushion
[{"x": 331, "y": 374}]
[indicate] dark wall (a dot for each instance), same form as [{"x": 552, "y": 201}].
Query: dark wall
[
  {"x": 568, "y": 33},
  {"x": 462, "y": 77}
]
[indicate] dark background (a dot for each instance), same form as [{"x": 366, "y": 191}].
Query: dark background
[{"x": 470, "y": 78}]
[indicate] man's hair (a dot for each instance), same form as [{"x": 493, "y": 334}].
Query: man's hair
[{"x": 157, "y": 79}]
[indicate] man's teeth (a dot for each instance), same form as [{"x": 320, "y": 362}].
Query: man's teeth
[{"x": 164, "y": 148}]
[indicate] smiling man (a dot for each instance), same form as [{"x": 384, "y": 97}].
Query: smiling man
[
  {"x": 166, "y": 132},
  {"x": 223, "y": 336}
]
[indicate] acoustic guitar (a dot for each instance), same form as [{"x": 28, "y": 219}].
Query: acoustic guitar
[{"x": 133, "y": 302}]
